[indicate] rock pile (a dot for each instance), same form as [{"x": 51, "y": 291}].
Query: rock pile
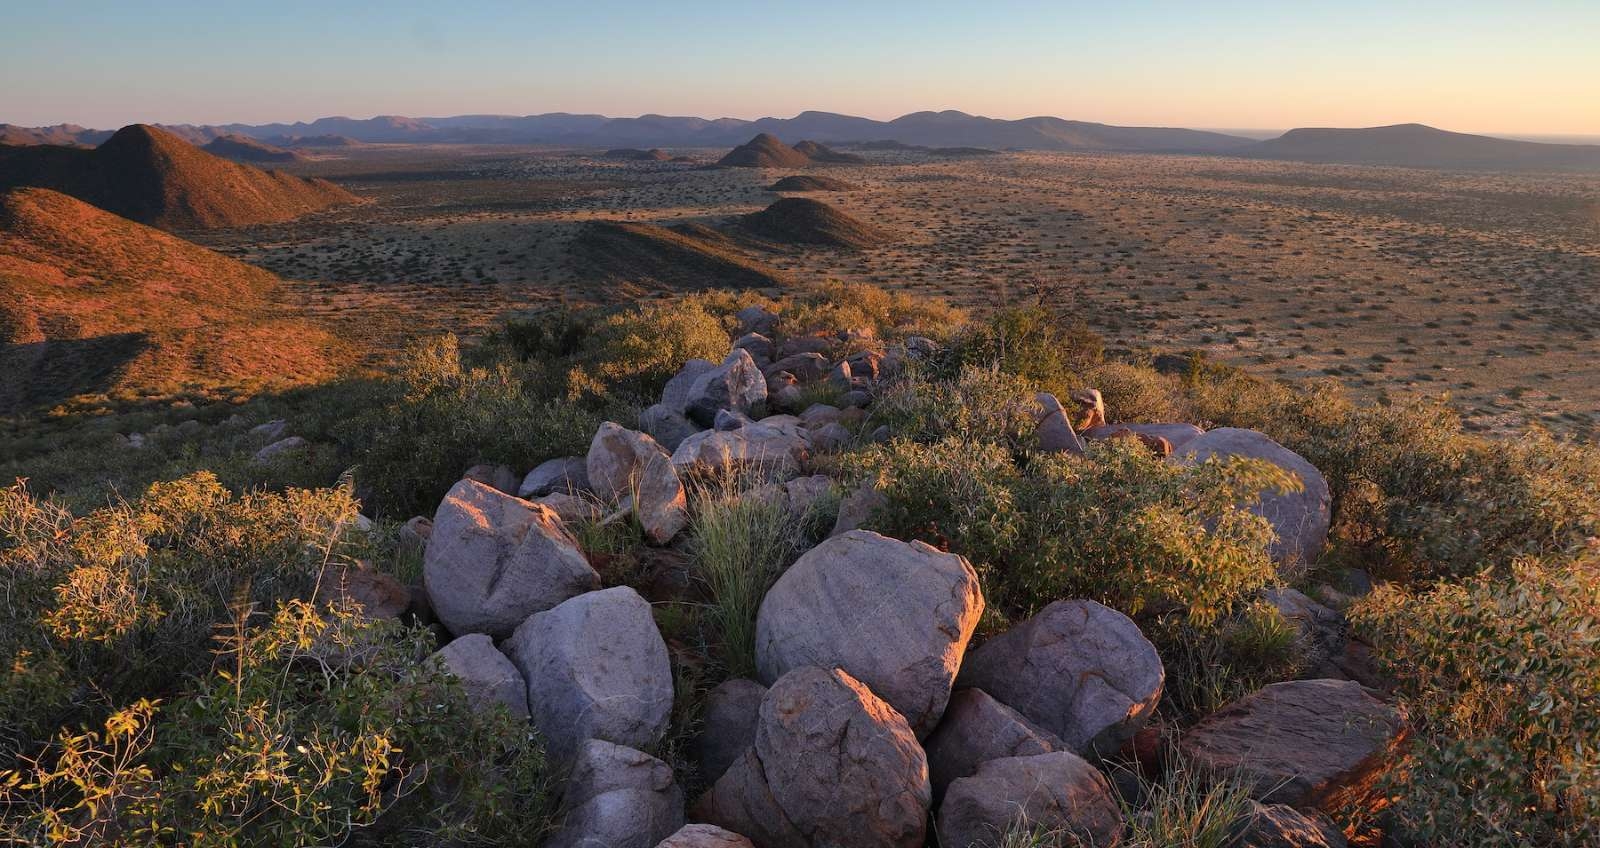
[{"x": 871, "y": 717}]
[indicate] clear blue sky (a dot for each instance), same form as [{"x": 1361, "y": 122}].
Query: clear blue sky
[{"x": 1522, "y": 67}]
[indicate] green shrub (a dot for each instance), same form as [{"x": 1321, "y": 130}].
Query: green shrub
[
  {"x": 1499, "y": 677},
  {"x": 317, "y": 724},
  {"x": 1034, "y": 343},
  {"x": 1183, "y": 809},
  {"x": 1211, "y": 667},
  {"x": 123, "y": 602},
  {"x": 978, "y": 405},
  {"x": 1119, "y": 525},
  {"x": 836, "y": 306},
  {"x": 1135, "y": 394}
]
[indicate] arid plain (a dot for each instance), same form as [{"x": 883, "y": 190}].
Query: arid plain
[{"x": 1483, "y": 287}]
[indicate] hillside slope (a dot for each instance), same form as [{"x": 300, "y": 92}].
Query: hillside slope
[
  {"x": 648, "y": 256},
  {"x": 1419, "y": 146},
  {"x": 94, "y": 303},
  {"x": 153, "y": 177}
]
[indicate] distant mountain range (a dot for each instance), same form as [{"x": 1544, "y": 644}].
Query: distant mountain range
[{"x": 1411, "y": 145}]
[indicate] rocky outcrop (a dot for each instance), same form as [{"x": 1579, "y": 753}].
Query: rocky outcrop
[
  {"x": 626, "y": 465},
  {"x": 1299, "y": 518},
  {"x": 737, "y": 384},
  {"x": 832, "y": 764},
  {"x": 1305, "y": 743},
  {"x": 704, "y": 836},
  {"x": 618, "y": 797},
  {"x": 1078, "y": 669},
  {"x": 493, "y": 559},
  {"x": 567, "y": 475},
  {"x": 596, "y": 668},
  {"x": 758, "y": 444},
  {"x": 894, "y": 615},
  {"x": 1057, "y": 792}
]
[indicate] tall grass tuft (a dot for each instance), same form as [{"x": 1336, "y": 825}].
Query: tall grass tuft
[{"x": 1184, "y": 809}]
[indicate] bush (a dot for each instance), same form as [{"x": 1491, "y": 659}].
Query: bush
[
  {"x": 836, "y": 306},
  {"x": 314, "y": 725},
  {"x": 1499, "y": 677},
  {"x": 1119, "y": 525},
  {"x": 979, "y": 405},
  {"x": 1034, "y": 343},
  {"x": 122, "y": 603},
  {"x": 1211, "y": 667},
  {"x": 1135, "y": 394}
]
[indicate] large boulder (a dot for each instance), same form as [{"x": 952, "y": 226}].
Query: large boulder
[
  {"x": 736, "y": 384},
  {"x": 1079, "y": 669},
  {"x": 806, "y": 367},
  {"x": 486, "y": 674},
  {"x": 618, "y": 797},
  {"x": 1057, "y": 792},
  {"x": 856, "y": 508},
  {"x": 1177, "y": 435},
  {"x": 667, "y": 426},
  {"x": 976, "y": 729},
  {"x": 1305, "y": 743},
  {"x": 832, "y": 765},
  {"x": 1053, "y": 431},
  {"x": 894, "y": 615},
  {"x": 675, "y": 394},
  {"x": 755, "y": 444},
  {"x": 380, "y": 596},
  {"x": 755, "y": 319},
  {"x": 627, "y": 465},
  {"x": 493, "y": 560},
  {"x": 596, "y": 668},
  {"x": 729, "y": 728},
  {"x": 1299, "y": 518},
  {"x": 566, "y": 474},
  {"x": 758, "y": 346},
  {"x": 1280, "y": 826},
  {"x": 704, "y": 836}
]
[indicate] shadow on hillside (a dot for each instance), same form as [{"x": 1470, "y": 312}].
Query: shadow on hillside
[{"x": 42, "y": 374}]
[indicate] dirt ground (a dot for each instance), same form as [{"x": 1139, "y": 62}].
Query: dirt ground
[{"x": 1484, "y": 288}]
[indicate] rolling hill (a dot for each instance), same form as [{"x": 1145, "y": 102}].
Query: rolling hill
[
  {"x": 764, "y": 151},
  {"x": 1419, "y": 146},
  {"x": 242, "y": 148},
  {"x": 803, "y": 221},
  {"x": 152, "y": 176},
  {"x": 810, "y": 182},
  {"x": 642, "y": 257},
  {"x": 92, "y": 303}
]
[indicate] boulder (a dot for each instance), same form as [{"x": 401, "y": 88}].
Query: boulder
[
  {"x": 806, "y": 367},
  {"x": 1088, "y": 409},
  {"x": 1322, "y": 632},
  {"x": 758, "y": 346},
  {"x": 727, "y": 419},
  {"x": 618, "y": 797},
  {"x": 818, "y": 415},
  {"x": 830, "y": 438},
  {"x": 499, "y": 477},
  {"x": 667, "y": 426},
  {"x": 1177, "y": 435},
  {"x": 486, "y": 674},
  {"x": 732, "y": 710},
  {"x": 1300, "y": 518},
  {"x": 1305, "y": 743},
  {"x": 704, "y": 836},
  {"x": 380, "y": 595},
  {"x": 736, "y": 384},
  {"x": 1078, "y": 669},
  {"x": 756, "y": 444},
  {"x": 866, "y": 364},
  {"x": 1280, "y": 826},
  {"x": 1054, "y": 434},
  {"x": 675, "y": 394},
  {"x": 894, "y": 615},
  {"x": 857, "y": 507},
  {"x": 755, "y": 319},
  {"x": 797, "y": 496},
  {"x": 571, "y": 508},
  {"x": 798, "y": 345},
  {"x": 856, "y": 399},
  {"x": 596, "y": 668},
  {"x": 976, "y": 729},
  {"x": 787, "y": 397},
  {"x": 493, "y": 560},
  {"x": 1047, "y": 405},
  {"x": 270, "y": 431},
  {"x": 832, "y": 765},
  {"x": 414, "y": 534},
  {"x": 566, "y": 474},
  {"x": 920, "y": 347},
  {"x": 1057, "y": 792},
  {"x": 274, "y": 450},
  {"x": 841, "y": 378},
  {"x": 623, "y": 463}
]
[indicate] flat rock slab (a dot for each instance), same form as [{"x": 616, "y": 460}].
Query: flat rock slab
[{"x": 1305, "y": 743}]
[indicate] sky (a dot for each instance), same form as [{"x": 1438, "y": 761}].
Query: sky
[{"x": 1516, "y": 67}]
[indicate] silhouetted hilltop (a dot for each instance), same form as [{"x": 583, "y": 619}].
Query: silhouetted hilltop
[
  {"x": 94, "y": 303},
  {"x": 801, "y": 220},
  {"x": 820, "y": 153},
  {"x": 241, "y": 148},
  {"x": 764, "y": 151},
  {"x": 808, "y": 182},
  {"x": 311, "y": 141},
  {"x": 648, "y": 256},
  {"x": 154, "y": 177},
  {"x": 1419, "y": 146},
  {"x": 69, "y": 135}
]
